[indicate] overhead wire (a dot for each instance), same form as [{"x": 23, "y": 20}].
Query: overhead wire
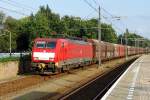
[
  {"x": 90, "y": 5},
  {"x": 14, "y": 11},
  {"x": 107, "y": 12},
  {"x": 97, "y": 3},
  {"x": 112, "y": 16},
  {"x": 53, "y": 3},
  {"x": 15, "y": 5},
  {"x": 115, "y": 26},
  {"x": 86, "y": 17},
  {"x": 22, "y": 5},
  {"x": 106, "y": 18}
]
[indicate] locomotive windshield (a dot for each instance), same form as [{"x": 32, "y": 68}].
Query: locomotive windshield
[
  {"x": 51, "y": 44},
  {"x": 44, "y": 44},
  {"x": 40, "y": 44}
]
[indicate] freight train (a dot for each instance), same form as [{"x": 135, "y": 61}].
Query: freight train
[{"x": 60, "y": 54}]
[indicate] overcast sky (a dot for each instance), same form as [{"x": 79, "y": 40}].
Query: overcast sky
[{"x": 134, "y": 13}]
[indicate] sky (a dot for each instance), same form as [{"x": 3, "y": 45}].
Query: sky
[{"x": 134, "y": 14}]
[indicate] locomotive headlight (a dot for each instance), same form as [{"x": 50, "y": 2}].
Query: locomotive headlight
[
  {"x": 56, "y": 64},
  {"x": 51, "y": 58},
  {"x": 36, "y": 58}
]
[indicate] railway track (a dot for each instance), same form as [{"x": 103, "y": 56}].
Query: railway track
[
  {"x": 29, "y": 81},
  {"x": 25, "y": 82},
  {"x": 97, "y": 87},
  {"x": 19, "y": 84}
]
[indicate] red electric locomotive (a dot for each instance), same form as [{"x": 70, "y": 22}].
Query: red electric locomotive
[{"x": 58, "y": 54}]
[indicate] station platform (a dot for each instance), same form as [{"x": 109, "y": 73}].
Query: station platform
[{"x": 134, "y": 84}]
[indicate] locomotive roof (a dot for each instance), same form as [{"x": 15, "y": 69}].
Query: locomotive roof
[
  {"x": 80, "y": 41},
  {"x": 45, "y": 39}
]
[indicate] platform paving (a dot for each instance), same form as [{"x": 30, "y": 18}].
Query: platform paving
[{"x": 134, "y": 84}]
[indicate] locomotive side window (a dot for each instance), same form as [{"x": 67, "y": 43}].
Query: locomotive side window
[
  {"x": 40, "y": 44},
  {"x": 51, "y": 45}
]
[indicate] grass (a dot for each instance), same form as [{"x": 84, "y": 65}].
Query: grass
[
  {"x": 23, "y": 58},
  {"x": 9, "y": 59}
]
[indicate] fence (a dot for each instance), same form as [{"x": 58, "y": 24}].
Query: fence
[{"x": 5, "y": 55}]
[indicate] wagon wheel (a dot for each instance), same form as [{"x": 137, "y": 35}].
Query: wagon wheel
[
  {"x": 62, "y": 69},
  {"x": 68, "y": 69},
  {"x": 81, "y": 66}
]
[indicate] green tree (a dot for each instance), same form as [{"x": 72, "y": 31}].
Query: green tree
[
  {"x": 11, "y": 25},
  {"x": 45, "y": 22},
  {"x": 133, "y": 39},
  {"x": 108, "y": 33}
]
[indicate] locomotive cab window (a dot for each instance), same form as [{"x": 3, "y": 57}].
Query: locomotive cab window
[
  {"x": 63, "y": 45},
  {"x": 40, "y": 44},
  {"x": 51, "y": 44}
]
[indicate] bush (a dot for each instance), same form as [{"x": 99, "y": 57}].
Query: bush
[{"x": 9, "y": 59}]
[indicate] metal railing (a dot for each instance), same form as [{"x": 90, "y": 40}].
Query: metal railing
[{"x": 5, "y": 55}]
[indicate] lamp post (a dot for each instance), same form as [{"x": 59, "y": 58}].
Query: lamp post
[
  {"x": 9, "y": 43},
  {"x": 121, "y": 41},
  {"x": 99, "y": 34}
]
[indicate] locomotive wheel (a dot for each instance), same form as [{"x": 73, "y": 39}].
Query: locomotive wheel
[
  {"x": 82, "y": 67},
  {"x": 54, "y": 69},
  {"x": 59, "y": 70},
  {"x": 68, "y": 69},
  {"x": 62, "y": 69}
]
